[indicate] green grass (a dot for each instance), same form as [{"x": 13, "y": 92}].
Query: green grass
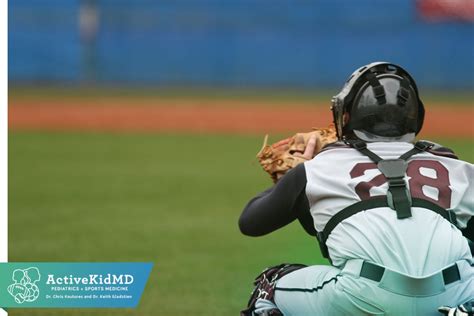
[
  {"x": 463, "y": 148},
  {"x": 173, "y": 200}
]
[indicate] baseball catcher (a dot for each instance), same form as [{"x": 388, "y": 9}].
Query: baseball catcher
[{"x": 392, "y": 215}]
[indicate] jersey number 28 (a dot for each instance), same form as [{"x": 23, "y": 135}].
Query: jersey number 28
[{"x": 421, "y": 173}]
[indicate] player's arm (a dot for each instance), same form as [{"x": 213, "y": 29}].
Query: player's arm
[
  {"x": 278, "y": 206},
  {"x": 468, "y": 232}
]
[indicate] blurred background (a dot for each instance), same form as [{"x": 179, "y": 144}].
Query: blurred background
[
  {"x": 303, "y": 44},
  {"x": 133, "y": 125}
]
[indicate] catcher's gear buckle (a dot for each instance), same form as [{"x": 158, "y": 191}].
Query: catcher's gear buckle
[{"x": 393, "y": 168}]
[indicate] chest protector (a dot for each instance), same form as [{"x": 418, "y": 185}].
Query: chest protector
[{"x": 398, "y": 196}]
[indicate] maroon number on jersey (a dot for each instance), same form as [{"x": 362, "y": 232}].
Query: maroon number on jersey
[{"x": 417, "y": 180}]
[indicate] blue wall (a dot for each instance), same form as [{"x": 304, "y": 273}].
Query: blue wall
[
  {"x": 43, "y": 41},
  {"x": 236, "y": 42}
]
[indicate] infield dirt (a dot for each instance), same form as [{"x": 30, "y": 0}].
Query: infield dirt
[{"x": 204, "y": 116}]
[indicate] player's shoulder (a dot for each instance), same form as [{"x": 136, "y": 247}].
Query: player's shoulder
[
  {"x": 336, "y": 145},
  {"x": 439, "y": 150},
  {"x": 433, "y": 148}
]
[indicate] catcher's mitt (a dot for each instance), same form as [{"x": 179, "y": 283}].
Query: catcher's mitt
[{"x": 278, "y": 158}]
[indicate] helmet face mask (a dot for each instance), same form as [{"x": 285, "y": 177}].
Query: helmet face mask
[{"x": 382, "y": 103}]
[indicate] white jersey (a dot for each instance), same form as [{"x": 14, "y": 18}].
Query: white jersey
[{"x": 418, "y": 246}]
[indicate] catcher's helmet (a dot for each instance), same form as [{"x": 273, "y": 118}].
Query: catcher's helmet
[{"x": 382, "y": 102}]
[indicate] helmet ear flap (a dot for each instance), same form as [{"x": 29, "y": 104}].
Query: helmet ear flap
[
  {"x": 421, "y": 115},
  {"x": 406, "y": 83},
  {"x": 340, "y": 103}
]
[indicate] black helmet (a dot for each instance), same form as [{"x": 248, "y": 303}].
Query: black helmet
[{"x": 383, "y": 105}]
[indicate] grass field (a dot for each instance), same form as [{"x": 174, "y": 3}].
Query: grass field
[{"x": 173, "y": 200}]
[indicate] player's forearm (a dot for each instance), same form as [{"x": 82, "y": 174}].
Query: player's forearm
[{"x": 274, "y": 208}]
